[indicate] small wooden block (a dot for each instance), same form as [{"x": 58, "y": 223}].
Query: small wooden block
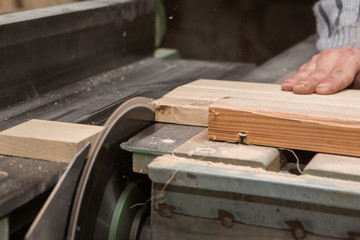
[
  {"x": 182, "y": 111},
  {"x": 199, "y": 147},
  {"x": 334, "y": 166},
  {"x": 47, "y": 140},
  {"x": 305, "y": 126}
]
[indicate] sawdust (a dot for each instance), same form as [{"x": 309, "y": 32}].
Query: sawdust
[{"x": 167, "y": 141}]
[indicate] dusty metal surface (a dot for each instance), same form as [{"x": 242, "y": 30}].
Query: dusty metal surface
[
  {"x": 192, "y": 141},
  {"x": 225, "y": 228},
  {"x": 161, "y": 138},
  {"x": 91, "y": 101},
  {"x": 239, "y": 179},
  {"x": 26, "y": 179},
  {"x": 59, "y": 203},
  {"x": 48, "y": 48},
  {"x": 323, "y": 206},
  {"x": 158, "y": 139}
]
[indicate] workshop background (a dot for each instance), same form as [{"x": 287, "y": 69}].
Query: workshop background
[
  {"x": 78, "y": 63},
  {"x": 222, "y": 30}
]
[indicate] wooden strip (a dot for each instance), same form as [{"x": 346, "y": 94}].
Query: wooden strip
[
  {"x": 284, "y": 124},
  {"x": 47, "y": 140},
  {"x": 334, "y": 166},
  {"x": 199, "y": 147},
  {"x": 218, "y": 89}
]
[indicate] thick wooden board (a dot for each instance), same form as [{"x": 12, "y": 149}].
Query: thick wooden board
[
  {"x": 189, "y": 104},
  {"x": 317, "y": 126},
  {"x": 47, "y": 140},
  {"x": 8, "y": 4},
  {"x": 271, "y": 117}
]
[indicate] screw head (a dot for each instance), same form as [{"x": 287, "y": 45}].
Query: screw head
[
  {"x": 227, "y": 222},
  {"x": 299, "y": 233},
  {"x": 166, "y": 213}
]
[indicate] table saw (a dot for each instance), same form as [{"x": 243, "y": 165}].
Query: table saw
[{"x": 91, "y": 62}]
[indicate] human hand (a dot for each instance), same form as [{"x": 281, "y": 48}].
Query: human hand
[{"x": 328, "y": 72}]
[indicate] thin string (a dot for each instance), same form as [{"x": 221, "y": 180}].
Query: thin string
[
  {"x": 296, "y": 157},
  {"x": 243, "y": 135},
  {"x": 164, "y": 187},
  {"x": 161, "y": 192}
]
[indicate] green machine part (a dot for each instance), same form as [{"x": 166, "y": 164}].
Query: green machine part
[
  {"x": 4, "y": 229},
  {"x": 160, "y": 30},
  {"x": 160, "y": 23},
  {"x": 130, "y": 213}
]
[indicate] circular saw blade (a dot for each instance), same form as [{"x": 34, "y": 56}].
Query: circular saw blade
[{"x": 107, "y": 171}]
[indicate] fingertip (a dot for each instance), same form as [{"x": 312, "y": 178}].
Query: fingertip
[
  {"x": 286, "y": 86},
  {"x": 303, "y": 88},
  {"x": 325, "y": 89}
]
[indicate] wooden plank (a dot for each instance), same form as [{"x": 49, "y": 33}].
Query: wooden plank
[
  {"x": 189, "y": 103},
  {"x": 199, "y": 147},
  {"x": 47, "y": 140},
  {"x": 334, "y": 166},
  {"x": 8, "y": 4},
  {"x": 306, "y": 126},
  {"x": 217, "y": 89},
  {"x": 33, "y": 4}
]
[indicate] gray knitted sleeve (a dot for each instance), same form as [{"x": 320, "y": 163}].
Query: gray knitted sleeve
[{"x": 337, "y": 23}]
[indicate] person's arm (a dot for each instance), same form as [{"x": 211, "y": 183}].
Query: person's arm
[{"x": 337, "y": 66}]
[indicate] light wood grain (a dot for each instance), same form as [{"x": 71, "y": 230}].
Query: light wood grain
[
  {"x": 32, "y": 4},
  {"x": 272, "y": 117},
  {"x": 182, "y": 111},
  {"x": 8, "y": 4},
  {"x": 47, "y": 140},
  {"x": 306, "y": 126},
  {"x": 188, "y": 104}
]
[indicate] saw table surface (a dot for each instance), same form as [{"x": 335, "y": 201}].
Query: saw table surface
[
  {"x": 91, "y": 101},
  {"x": 191, "y": 141}
]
